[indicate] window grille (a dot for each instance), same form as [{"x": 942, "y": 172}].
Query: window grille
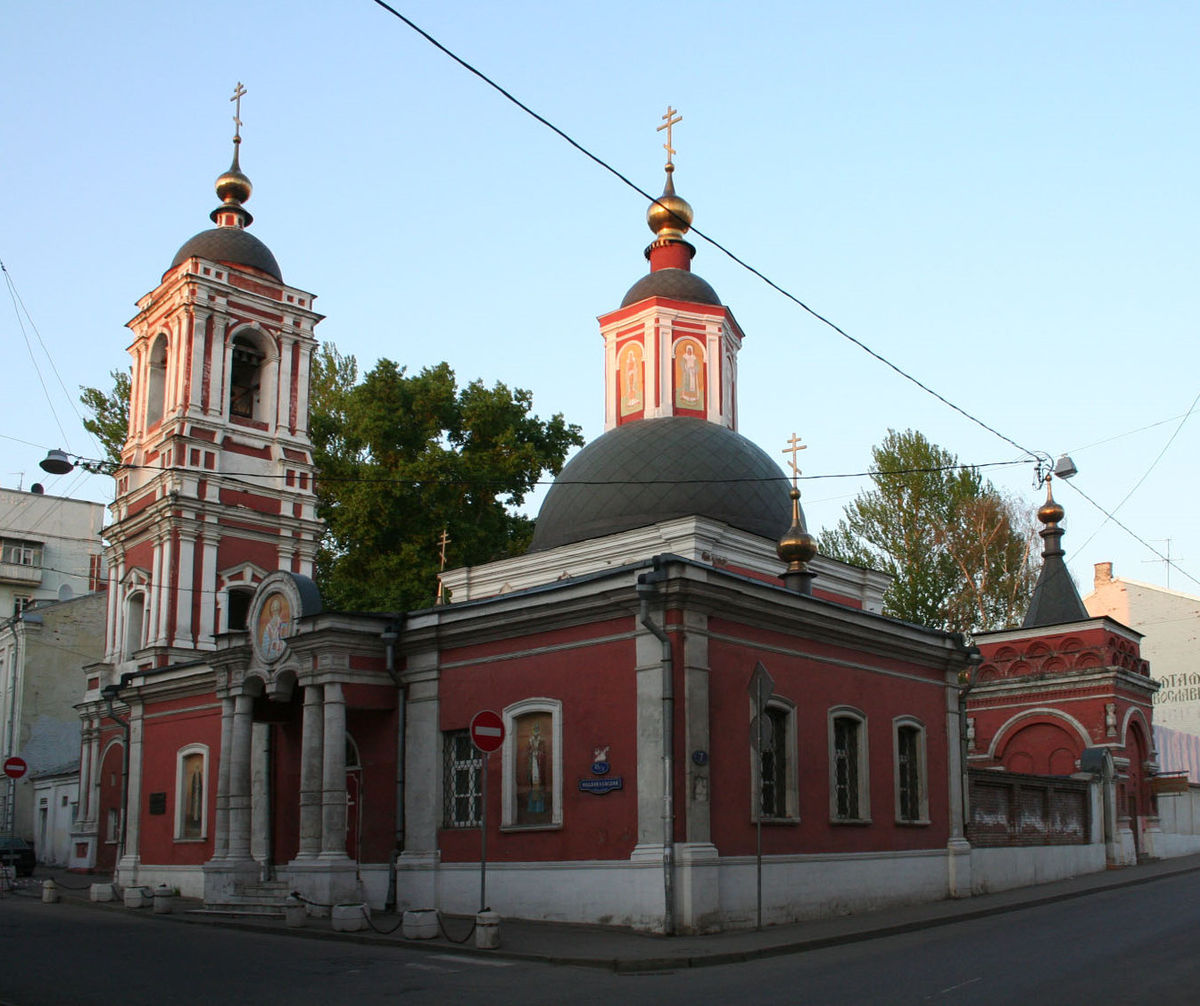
[
  {"x": 909, "y": 766},
  {"x": 846, "y": 767},
  {"x": 773, "y": 766},
  {"x": 462, "y": 805}
]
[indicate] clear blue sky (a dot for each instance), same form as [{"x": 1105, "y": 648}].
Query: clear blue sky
[{"x": 1000, "y": 198}]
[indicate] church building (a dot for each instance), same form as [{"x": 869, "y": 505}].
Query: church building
[{"x": 682, "y": 681}]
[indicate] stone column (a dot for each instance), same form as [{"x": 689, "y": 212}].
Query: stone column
[
  {"x": 239, "y": 779},
  {"x": 333, "y": 782},
  {"x": 221, "y": 824},
  {"x": 311, "y": 762}
]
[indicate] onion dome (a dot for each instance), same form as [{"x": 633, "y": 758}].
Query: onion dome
[
  {"x": 652, "y": 470},
  {"x": 797, "y": 548},
  {"x": 1055, "y": 598},
  {"x": 228, "y": 242}
]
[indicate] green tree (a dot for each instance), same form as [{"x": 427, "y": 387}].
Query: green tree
[
  {"x": 961, "y": 552},
  {"x": 109, "y": 420},
  {"x": 402, "y": 458}
]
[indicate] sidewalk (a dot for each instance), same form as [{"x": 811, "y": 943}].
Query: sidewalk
[{"x": 624, "y": 950}]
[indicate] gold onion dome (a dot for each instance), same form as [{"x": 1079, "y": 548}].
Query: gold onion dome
[
  {"x": 671, "y": 216},
  {"x": 1050, "y": 512},
  {"x": 797, "y": 546},
  {"x": 233, "y": 186}
]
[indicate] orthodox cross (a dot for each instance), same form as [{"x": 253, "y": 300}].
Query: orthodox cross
[
  {"x": 237, "y": 115},
  {"x": 672, "y": 118},
  {"x": 443, "y": 541},
  {"x": 794, "y": 447}
]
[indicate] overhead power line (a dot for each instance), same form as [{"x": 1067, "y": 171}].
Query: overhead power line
[{"x": 1036, "y": 455}]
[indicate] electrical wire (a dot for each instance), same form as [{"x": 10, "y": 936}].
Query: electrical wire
[{"x": 1035, "y": 455}]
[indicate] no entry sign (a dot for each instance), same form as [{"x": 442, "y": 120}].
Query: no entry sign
[
  {"x": 487, "y": 731},
  {"x": 15, "y": 767}
]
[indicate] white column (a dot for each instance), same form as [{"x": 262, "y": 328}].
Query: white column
[
  {"x": 221, "y": 825},
  {"x": 85, "y": 770},
  {"x": 239, "y": 779},
  {"x": 311, "y": 767},
  {"x": 163, "y": 591},
  {"x": 260, "y": 792},
  {"x": 133, "y": 803},
  {"x": 333, "y": 783},
  {"x": 216, "y": 373},
  {"x": 208, "y": 582},
  {"x": 183, "y": 630}
]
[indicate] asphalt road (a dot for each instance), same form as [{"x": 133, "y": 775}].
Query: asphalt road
[{"x": 1130, "y": 945}]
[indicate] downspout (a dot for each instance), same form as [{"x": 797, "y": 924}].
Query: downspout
[
  {"x": 389, "y": 637},
  {"x": 966, "y": 683},
  {"x": 110, "y": 693},
  {"x": 647, "y": 588}
]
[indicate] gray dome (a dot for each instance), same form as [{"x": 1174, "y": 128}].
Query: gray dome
[
  {"x": 678, "y": 284},
  {"x": 653, "y": 470},
  {"x": 229, "y": 244}
]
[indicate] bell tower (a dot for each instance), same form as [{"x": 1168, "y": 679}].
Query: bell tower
[
  {"x": 215, "y": 488},
  {"x": 671, "y": 348}
]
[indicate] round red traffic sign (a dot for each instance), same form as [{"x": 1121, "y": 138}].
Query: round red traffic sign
[
  {"x": 15, "y": 767},
  {"x": 487, "y": 731}
]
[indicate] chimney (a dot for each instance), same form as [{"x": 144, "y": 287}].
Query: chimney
[{"x": 1102, "y": 575}]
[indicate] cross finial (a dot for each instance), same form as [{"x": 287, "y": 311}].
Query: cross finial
[
  {"x": 237, "y": 115},
  {"x": 443, "y": 541},
  {"x": 794, "y": 447},
  {"x": 672, "y": 118}
]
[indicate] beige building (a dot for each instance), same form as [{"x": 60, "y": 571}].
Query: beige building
[
  {"x": 42, "y": 653},
  {"x": 1170, "y": 622}
]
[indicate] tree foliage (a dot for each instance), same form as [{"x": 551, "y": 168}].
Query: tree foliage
[
  {"x": 402, "y": 458},
  {"x": 961, "y": 552},
  {"x": 109, "y": 420}
]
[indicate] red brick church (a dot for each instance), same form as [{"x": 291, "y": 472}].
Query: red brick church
[{"x": 241, "y": 741}]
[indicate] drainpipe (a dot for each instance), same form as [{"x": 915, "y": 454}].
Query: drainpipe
[
  {"x": 389, "y": 637},
  {"x": 110, "y": 693},
  {"x": 647, "y": 588},
  {"x": 967, "y": 682}
]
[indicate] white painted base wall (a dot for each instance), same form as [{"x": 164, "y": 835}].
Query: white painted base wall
[
  {"x": 1024, "y": 866},
  {"x": 1179, "y": 821}
]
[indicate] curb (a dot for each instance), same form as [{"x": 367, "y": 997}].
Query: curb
[{"x": 665, "y": 962}]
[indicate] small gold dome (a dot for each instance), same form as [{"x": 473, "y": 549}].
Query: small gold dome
[
  {"x": 1050, "y": 512},
  {"x": 671, "y": 216},
  {"x": 233, "y": 186},
  {"x": 797, "y": 546}
]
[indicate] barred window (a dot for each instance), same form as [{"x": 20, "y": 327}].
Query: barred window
[
  {"x": 912, "y": 799},
  {"x": 462, "y": 805},
  {"x": 775, "y": 764},
  {"x": 848, "y": 789}
]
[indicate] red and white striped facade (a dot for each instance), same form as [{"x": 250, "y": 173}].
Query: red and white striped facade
[{"x": 211, "y": 500}]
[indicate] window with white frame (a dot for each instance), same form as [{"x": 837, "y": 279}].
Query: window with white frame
[
  {"x": 21, "y": 553},
  {"x": 849, "y": 790},
  {"x": 774, "y": 764},
  {"x": 532, "y": 764},
  {"x": 191, "y": 787},
  {"x": 135, "y": 612},
  {"x": 911, "y": 787},
  {"x": 462, "y": 770}
]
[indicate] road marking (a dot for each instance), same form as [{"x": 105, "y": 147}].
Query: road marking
[
  {"x": 960, "y": 985},
  {"x": 482, "y": 962},
  {"x": 427, "y": 967}
]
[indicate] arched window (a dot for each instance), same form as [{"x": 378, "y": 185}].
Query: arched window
[
  {"x": 156, "y": 381},
  {"x": 773, "y": 765},
  {"x": 908, "y": 770},
  {"x": 849, "y": 789},
  {"x": 135, "y": 614},
  {"x": 245, "y": 378}
]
